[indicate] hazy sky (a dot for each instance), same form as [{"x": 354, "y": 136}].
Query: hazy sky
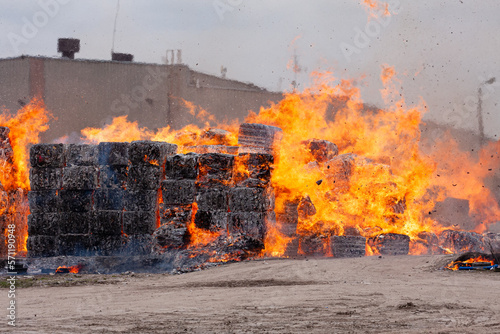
[{"x": 443, "y": 50}]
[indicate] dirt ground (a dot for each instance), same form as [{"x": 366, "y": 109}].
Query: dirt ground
[{"x": 406, "y": 294}]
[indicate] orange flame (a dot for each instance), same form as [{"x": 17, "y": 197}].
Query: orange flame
[
  {"x": 454, "y": 265},
  {"x": 73, "y": 269}
]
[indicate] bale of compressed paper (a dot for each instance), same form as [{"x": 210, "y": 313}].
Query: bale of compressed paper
[
  {"x": 81, "y": 155},
  {"x": 44, "y": 224},
  {"x": 259, "y": 138},
  {"x": 44, "y": 201},
  {"x": 215, "y": 169},
  {"x": 322, "y": 150},
  {"x": 76, "y": 222},
  {"x": 105, "y": 245},
  {"x": 313, "y": 244},
  {"x": 243, "y": 199},
  {"x": 150, "y": 152},
  {"x": 172, "y": 235},
  {"x": 211, "y": 220},
  {"x": 76, "y": 200},
  {"x": 42, "y": 246},
  {"x": 178, "y": 192},
  {"x": 46, "y": 178},
  {"x": 213, "y": 199},
  {"x": 47, "y": 155},
  {"x": 176, "y": 214},
  {"x": 348, "y": 245},
  {"x": 113, "y": 177},
  {"x": 141, "y": 200},
  {"x": 140, "y": 244},
  {"x": 74, "y": 245},
  {"x": 113, "y": 154},
  {"x": 139, "y": 222},
  {"x": 80, "y": 178},
  {"x": 250, "y": 224},
  {"x": 107, "y": 223},
  {"x": 182, "y": 166},
  {"x": 253, "y": 169},
  {"x": 390, "y": 244},
  {"x": 461, "y": 241},
  {"x": 144, "y": 177},
  {"x": 109, "y": 199}
]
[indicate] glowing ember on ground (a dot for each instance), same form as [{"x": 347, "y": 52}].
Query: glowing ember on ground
[{"x": 73, "y": 269}]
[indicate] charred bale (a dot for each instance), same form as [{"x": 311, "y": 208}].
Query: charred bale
[
  {"x": 44, "y": 224},
  {"x": 306, "y": 208},
  {"x": 74, "y": 245},
  {"x": 150, "y": 152},
  {"x": 44, "y": 201},
  {"x": 105, "y": 245},
  {"x": 80, "y": 178},
  {"x": 81, "y": 155},
  {"x": 47, "y": 155},
  {"x": 139, "y": 222},
  {"x": 107, "y": 223},
  {"x": 215, "y": 169},
  {"x": 216, "y": 137},
  {"x": 141, "y": 200},
  {"x": 175, "y": 214},
  {"x": 211, "y": 220},
  {"x": 113, "y": 154},
  {"x": 42, "y": 246},
  {"x": 178, "y": 192},
  {"x": 76, "y": 200},
  {"x": 109, "y": 199},
  {"x": 182, "y": 166},
  {"x": 244, "y": 199},
  {"x": 313, "y": 244},
  {"x": 46, "y": 178},
  {"x": 213, "y": 199},
  {"x": 140, "y": 244},
  {"x": 169, "y": 236},
  {"x": 113, "y": 177},
  {"x": 144, "y": 177},
  {"x": 76, "y": 222},
  {"x": 249, "y": 224}
]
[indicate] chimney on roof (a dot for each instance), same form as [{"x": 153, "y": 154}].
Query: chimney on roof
[
  {"x": 122, "y": 56},
  {"x": 68, "y": 47}
]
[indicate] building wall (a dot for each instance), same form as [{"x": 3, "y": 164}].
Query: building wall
[
  {"x": 14, "y": 83},
  {"x": 84, "y": 93}
]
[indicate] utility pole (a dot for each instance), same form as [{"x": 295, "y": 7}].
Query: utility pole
[{"x": 480, "y": 109}]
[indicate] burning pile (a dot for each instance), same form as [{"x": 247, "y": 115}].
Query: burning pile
[
  {"x": 317, "y": 174},
  {"x": 121, "y": 198}
]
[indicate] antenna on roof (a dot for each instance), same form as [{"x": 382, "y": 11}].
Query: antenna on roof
[{"x": 114, "y": 28}]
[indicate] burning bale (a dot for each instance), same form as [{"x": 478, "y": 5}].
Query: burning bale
[
  {"x": 258, "y": 138},
  {"x": 461, "y": 241},
  {"x": 390, "y": 244}
]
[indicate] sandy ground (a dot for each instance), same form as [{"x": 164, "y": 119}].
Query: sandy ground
[{"x": 365, "y": 295}]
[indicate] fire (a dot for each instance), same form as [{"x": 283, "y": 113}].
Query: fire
[
  {"x": 375, "y": 7},
  {"x": 73, "y": 269},
  {"x": 197, "y": 236},
  {"x": 25, "y": 128},
  {"x": 455, "y": 265},
  {"x": 379, "y": 182}
]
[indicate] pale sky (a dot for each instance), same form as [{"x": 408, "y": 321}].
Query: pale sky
[{"x": 442, "y": 49}]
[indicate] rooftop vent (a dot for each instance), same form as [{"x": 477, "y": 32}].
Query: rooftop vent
[
  {"x": 68, "y": 47},
  {"x": 122, "y": 57}
]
